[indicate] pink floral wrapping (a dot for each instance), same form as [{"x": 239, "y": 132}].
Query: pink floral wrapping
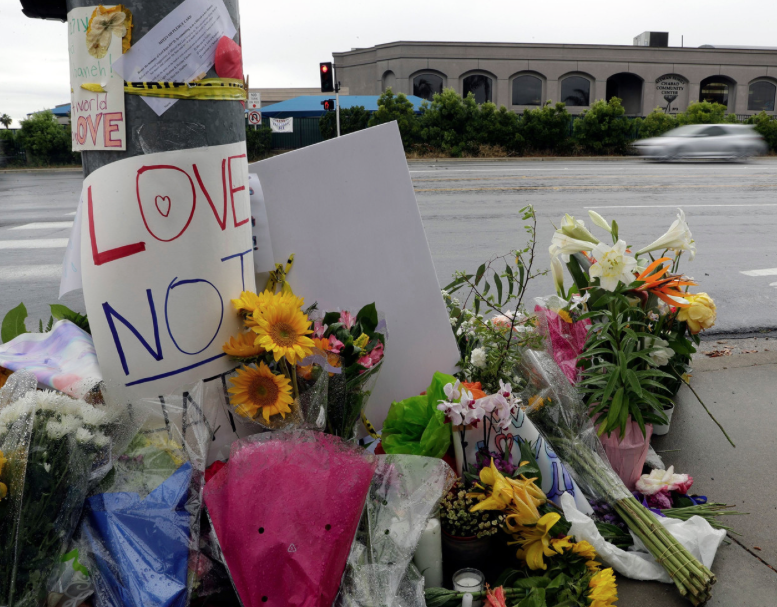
[
  {"x": 285, "y": 511},
  {"x": 565, "y": 340}
]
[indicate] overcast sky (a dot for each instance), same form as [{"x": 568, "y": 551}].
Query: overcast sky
[{"x": 283, "y": 45}]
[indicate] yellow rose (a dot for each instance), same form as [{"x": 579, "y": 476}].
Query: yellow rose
[{"x": 700, "y": 314}]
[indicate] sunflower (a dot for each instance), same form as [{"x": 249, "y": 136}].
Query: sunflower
[
  {"x": 586, "y": 551},
  {"x": 604, "y": 591},
  {"x": 283, "y": 329},
  {"x": 260, "y": 390},
  {"x": 535, "y": 542},
  {"x": 243, "y": 346}
]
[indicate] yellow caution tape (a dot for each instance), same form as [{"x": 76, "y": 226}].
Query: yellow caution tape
[
  {"x": 369, "y": 427},
  {"x": 278, "y": 276},
  {"x": 222, "y": 89}
]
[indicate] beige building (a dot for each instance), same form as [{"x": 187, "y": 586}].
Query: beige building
[{"x": 521, "y": 76}]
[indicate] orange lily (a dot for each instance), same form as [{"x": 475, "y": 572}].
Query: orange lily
[{"x": 663, "y": 285}]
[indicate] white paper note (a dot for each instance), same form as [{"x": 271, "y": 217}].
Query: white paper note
[
  {"x": 179, "y": 48},
  {"x": 97, "y": 119}
]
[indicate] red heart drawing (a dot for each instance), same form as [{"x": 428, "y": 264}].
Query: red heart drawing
[
  {"x": 163, "y": 199},
  {"x": 504, "y": 444}
]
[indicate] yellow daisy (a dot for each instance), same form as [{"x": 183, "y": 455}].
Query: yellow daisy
[
  {"x": 243, "y": 346},
  {"x": 283, "y": 329},
  {"x": 260, "y": 390},
  {"x": 604, "y": 591},
  {"x": 535, "y": 542}
]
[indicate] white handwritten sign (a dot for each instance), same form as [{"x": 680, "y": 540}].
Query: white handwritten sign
[
  {"x": 282, "y": 125},
  {"x": 166, "y": 244},
  {"x": 97, "y": 119}
]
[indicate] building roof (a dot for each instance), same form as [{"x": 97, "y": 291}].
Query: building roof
[
  {"x": 59, "y": 110},
  {"x": 276, "y": 95},
  {"x": 310, "y": 105}
]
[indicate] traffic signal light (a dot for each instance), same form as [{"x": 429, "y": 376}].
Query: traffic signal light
[
  {"x": 327, "y": 78},
  {"x": 329, "y": 105}
]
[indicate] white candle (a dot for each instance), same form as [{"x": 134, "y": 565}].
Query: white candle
[
  {"x": 469, "y": 580},
  {"x": 467, "y": 600},
  {"x": 428, "y": 555}
]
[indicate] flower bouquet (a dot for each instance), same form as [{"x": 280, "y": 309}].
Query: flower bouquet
[
  {"x": 359, "y": 341},
  {"x": 285, "y": 510},
  {"x": 140, "y": 531},
  {"x": 280, "y": 383},
  {"x": 51, "y": 448},
  {"x": 565, "y": 424}
]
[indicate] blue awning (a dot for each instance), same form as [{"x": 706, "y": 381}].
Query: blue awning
[{"x": 310, "y": 105}]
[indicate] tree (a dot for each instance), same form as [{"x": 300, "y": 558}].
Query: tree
[
  {"x": 604, "y": 128},
  {"x": 45, "y": 140},
  {"x": 656, "y": 123},
  {"x": 258, "y": 142},
  {"x": 446, "y": 123},
  {"x": 397, "y": 107},
  {"x": 546, "y": 128},
  {"x": 766, "y": 126},
  {"x": 352, "y": 119},
  {"x": 704, "y": 112},
  {"x": 6, "y": 120}
]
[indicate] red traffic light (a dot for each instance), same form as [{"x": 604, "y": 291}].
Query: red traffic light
[
  {"x": 327, "y": 78},
  {"x": 325, "y": 68}
]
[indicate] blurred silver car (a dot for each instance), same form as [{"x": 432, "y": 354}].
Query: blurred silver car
[{"x": 729, "y": 141}]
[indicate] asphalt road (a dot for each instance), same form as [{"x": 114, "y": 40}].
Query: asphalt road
[{"x": 471, "y": 211}]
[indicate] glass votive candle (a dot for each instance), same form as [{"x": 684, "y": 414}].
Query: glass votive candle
[{"x": 469, "y": 580}]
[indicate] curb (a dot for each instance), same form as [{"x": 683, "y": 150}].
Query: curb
[
  {"x": 44, "y": 170},
  {"x": 705, "y": 364}
]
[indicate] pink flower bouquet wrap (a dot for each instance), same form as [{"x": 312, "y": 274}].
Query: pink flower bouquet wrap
[
  {"x": 285, "y": 511},
  {"x": 565, "y": 340}
]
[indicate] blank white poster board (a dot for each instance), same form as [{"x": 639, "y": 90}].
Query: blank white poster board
[{"x": 347, "y": 210}]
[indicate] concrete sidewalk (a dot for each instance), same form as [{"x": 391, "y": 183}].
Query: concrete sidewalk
[{"x": 740, "y": 391}]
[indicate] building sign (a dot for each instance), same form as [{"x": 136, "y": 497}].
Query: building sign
[
  {"x": 282, "y": 125},
  {"x": 673, "y": 89}
]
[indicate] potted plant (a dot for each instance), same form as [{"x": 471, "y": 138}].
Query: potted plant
[{"x": 467, "y": 537}]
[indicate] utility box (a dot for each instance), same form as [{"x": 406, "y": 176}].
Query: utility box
[{"x": 654, "y": 39}]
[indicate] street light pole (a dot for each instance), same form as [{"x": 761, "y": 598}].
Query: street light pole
[
  {"x": 337, "y": 106},
  {"x": 187, "y": 124}
]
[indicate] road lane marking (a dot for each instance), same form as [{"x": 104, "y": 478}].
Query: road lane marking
[
  {"x": 766, "y": 272},
  {"x": 70, "y": 214},
  {"x": 50, "y": 225},
  {"x": 630, "y": 166},
  {"x": 643, "y": 176},
  {"x": 41, "y": 272},
  {"x": 596, "y": 187},
  {"x": 51, "y": 243},
  {"x": 674, "y": 206}
]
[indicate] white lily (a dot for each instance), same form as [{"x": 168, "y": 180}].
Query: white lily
[
  {"x": 662, "y": 353},
  {"x": 575, "y": 228},
  {"x": 564, "y": 245},
  {"x": 677, "y": 238},
  {"x": 612, "y": 265},
  {"x": 557, "y": 271},
  {"x": 578, "y": 301},
  {"x": 600, "y": 221}
]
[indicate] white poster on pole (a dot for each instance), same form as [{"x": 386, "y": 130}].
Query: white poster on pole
[
  {"x": 282, "y": 125},
  {"x": 179, "y": 48},
  {"x": 264, "y": 261},
  {"x": 347, "y": 210},
  {"x": 97, "y": 119},
  {"x": 166, "y": 245}
]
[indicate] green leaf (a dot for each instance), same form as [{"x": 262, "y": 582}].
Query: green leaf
[
  {"x": 498, "y": 283},
  {"x": 13, "y": 324},
  {"x": 61, "y": 312},
  {"x": 368, "y": 319},
  {"x": 331, "y": 318},
  {"x": 535, "y": 599},
  {"x": 441, "y": 597},
  {"x": 577, "y": 273},
  {"x": 615, "y": 409},
  {"x": 615, "y": 230},
  {"x": 479, "y": 274},
  {"x": 634, "y": 382},
  {"x": 531, "y": 582}
]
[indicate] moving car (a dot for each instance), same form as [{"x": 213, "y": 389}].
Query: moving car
[{"x": 729, "y": 141}]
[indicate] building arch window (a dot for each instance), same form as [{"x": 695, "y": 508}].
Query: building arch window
[
  {"x": 527, "y": 90},
  {"x": 389, "y": 80},
  {"x": 481, "y": 86},
  {"x": 761, "y": 96},
  {"x": 716, "y": 89},
  {"x": 576, "y": 91},
  {"x": 427, "y": 85}
]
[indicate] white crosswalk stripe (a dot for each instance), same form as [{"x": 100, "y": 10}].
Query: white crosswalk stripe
[
  {"x": 36, "y": 243},
  {"x": 46, "y": 225},
  {"x": 24, "y": 273},
  {"x": 765, "y": 272}
]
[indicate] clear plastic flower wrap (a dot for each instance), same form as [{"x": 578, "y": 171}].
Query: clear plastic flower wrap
[
  {"x": 405, "y": 491},
  {"x": 285, "y": 511},
  {"x": 53, "y": 448},
  {"x": 140, "y": 531},
  {"x": 562, "y": 418},
  {"x": 355, "y": 345}
]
